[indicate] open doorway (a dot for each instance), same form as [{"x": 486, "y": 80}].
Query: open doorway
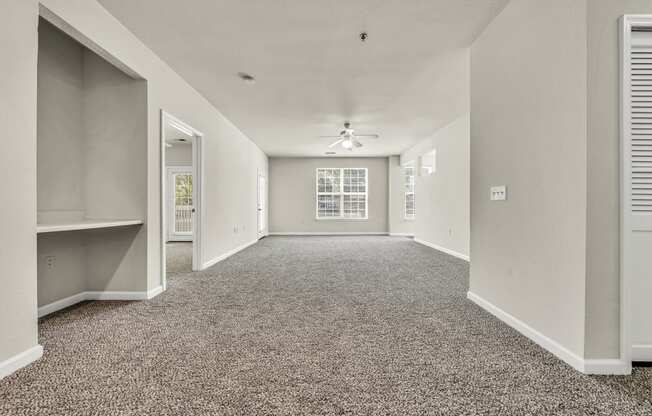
[
  {"x": 261, "y": 208},
  {"x": 181, "y": 158}
]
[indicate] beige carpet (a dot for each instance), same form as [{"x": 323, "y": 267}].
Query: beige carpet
[
  {"x": 307, "y": 326},
  {"x": 178, "y": 258}
]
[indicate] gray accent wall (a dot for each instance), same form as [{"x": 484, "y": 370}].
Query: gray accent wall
[{"x": 292, "y": 196}]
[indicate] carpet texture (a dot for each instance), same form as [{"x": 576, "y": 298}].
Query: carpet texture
[
  {"x": 307, "y": 326},
  {"x": 178, "y": 258}
]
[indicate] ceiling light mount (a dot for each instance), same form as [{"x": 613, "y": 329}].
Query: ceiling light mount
[
  {"x": 249, "y": 79},
  {"x": 364, "y": 36}
]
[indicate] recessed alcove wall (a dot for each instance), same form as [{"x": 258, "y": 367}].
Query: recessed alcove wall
[{"x": 91, "y": 164}]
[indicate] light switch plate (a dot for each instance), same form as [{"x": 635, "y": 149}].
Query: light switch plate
[{"x": 498, "y": 193}]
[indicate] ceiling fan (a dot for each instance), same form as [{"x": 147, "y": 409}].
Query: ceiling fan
[{"x": 348, "y": 139}]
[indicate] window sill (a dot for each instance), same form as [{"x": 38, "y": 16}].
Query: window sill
[{"x": 342, "y": 219}]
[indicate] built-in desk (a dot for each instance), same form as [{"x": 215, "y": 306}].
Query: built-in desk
[{"x": 87, "y": 224}]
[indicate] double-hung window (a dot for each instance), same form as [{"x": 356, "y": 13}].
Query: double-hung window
[
  {"x": 410, "y": 206},
  {"x": 342, "y": 193}
]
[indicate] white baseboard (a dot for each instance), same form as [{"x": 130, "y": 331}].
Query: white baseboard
[
  {"x": 19, "y": 361},
  {"x": 290, "y": 233},
  {"x": 586, "y": 366},
  {"x": 154, "y": 292},
  {"x": 228, "y": 254},
  {"x": 552, "y": 346},
  {"x": 614, "y": 367},
  {"x": 641, "y": 352},
  {"x": 401, "y": 235},
  {"x": 443, "y": 249},
  {"x": 96, "y": 295},
  {"x": 116, "y": 295},
  {"x": 61, "y": 304}
]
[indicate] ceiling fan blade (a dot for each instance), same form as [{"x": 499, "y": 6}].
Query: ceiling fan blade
[
  {"x": 357, "y": 143},
  {"x": 368, "y": 136},
  {"x": 329, "y": 137},
  {"x": 336, "y": 143}
]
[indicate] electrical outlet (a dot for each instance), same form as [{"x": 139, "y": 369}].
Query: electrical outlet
[
  {"x": 498, "y": 193},
  {"x": 235, "y": 229},
  {"x": 50, "y": 262}
]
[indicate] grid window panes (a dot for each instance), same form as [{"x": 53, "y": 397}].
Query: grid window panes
[
  {"x": 342, "y": 193},
  {"x": 410, "y": 206},
  {"x": 183, "y": 203}
]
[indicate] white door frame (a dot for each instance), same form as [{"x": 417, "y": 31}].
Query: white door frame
[
  {"x": 259, "y": 177},
  {"x": 171, "y": 201},
  {"x": 197, "y": 194},
  {"x": 627, "y": 269}
]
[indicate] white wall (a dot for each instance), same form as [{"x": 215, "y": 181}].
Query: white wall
[
  {"x": 292, "y": 196},
  {"x": 398, "y": 224},
  {"x": 231, "y": 159},
  {"x": 178, "y": 155},
  {"x": 528, "y": 132},
  {"x": 18, "y": 40},
  {"x": 442, "y": 198}
]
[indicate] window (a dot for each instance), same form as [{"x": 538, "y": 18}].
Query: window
[
  {"x": 342, "y": 193},
  {"x": 183, "y": 203},
  {"x": 410, "y": 208}
]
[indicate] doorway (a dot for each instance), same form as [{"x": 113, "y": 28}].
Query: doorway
[
  {"x": 181, "y": 197},
  {"x": 261, "y": 208}
]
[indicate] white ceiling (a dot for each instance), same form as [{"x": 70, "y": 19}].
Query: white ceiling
[{"x": 312, "y": 71}]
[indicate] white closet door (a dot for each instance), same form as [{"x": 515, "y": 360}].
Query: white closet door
[{"x": 637, "y": 189}]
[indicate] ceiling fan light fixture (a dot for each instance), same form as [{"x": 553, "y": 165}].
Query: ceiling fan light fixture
[{"x": 348, "y": 139}]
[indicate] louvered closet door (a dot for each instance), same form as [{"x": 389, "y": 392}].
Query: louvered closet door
[{"x": 637, "y": 180}]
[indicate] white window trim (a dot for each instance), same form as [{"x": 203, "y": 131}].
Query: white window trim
[
  {"x": 342, "y": 193},
  {"x": 407, "y": 217},
  {"x": 628, "y": 221}
]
